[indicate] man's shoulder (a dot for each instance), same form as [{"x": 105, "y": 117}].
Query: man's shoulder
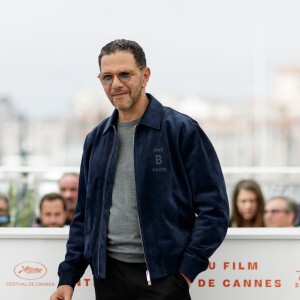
[
  {"x": 171, "y": 118},
  {"x": 168, "y": 113},
  {"x": 98, "y": 129},
  {"x": 178, "y": 118}
]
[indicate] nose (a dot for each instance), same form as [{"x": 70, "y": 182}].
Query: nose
[
  {"x": 116, "y": 83},
  {"x": 53, "y": 219},
  {"x": 67, "y": 194},
  {"x": 248, "y": 205}
]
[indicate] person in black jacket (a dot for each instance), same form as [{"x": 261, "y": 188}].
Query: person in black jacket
[{"x": 152, "y": 204}]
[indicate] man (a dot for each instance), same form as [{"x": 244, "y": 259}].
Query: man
[
  {"x": 152, "y": 205},
  {"x": 4, "y": 210},
  {"x": 68, "y": 188},
  {"x": 280, "y": 211},
  {"x": 53, "y": 210}
]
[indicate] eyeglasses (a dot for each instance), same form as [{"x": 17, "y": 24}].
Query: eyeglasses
[
  {"x": 276, "y": 211},
  {"x": 124, "y": 76}
]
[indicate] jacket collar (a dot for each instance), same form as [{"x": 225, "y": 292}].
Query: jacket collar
[{"x": 151, "y": 118}]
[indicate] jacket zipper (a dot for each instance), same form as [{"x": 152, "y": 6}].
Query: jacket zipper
[
  {"x": 148, "y": 277},
  {"x": 103, "y": 196}
]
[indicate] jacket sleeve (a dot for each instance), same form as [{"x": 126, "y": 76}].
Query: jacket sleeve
[
  {"x": 209, "y": 198},
  {"x": 73, "y": 267}
]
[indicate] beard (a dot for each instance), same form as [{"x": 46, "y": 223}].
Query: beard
[{"x": 128, "y": 100}]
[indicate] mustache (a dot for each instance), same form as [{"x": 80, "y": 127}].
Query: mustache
[{"x": 119, "y": 91}]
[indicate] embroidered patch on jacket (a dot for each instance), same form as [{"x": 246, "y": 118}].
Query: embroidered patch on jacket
[{"x": 158, "y": 153}]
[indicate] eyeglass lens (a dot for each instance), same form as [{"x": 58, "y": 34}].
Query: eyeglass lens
[{"x": 107, "y": 79}]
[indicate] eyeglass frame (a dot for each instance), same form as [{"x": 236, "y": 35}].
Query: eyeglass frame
[
  {"x": 276, "y": 211},
  {"x": 117, "y": 74}
]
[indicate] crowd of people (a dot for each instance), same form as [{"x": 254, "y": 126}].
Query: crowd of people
[
  {"x": 56, "y": 209},
  {"x": 249, "y": 208}
]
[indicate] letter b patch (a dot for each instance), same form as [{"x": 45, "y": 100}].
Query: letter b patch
[{"x": 158, "y": 159}]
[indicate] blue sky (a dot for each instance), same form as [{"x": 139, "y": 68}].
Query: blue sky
[{"x": 218, "y": 49}]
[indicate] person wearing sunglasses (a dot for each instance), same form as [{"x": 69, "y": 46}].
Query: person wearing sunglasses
[
  {"x": 280, "y": 211},
  {"x": 152, "y": 204}
]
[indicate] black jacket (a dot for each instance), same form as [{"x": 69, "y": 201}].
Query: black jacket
[{"x": 181, "y": 196}]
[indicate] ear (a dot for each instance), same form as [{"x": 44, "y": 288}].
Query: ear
[
  {"x": 146, "y": 76},
  {"x": 292, "y": 217}
]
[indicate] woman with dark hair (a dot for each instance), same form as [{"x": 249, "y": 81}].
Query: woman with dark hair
[{"x": 247, "y": 208}]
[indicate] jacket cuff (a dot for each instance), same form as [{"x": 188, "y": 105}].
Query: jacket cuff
[
  {"x": 191, "y": 266},
  {"x": 67, "y": 281},
  {"x": 67, "y": 277}
]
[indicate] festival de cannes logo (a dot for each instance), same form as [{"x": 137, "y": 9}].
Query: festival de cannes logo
[{"x": 30, "y": 270}]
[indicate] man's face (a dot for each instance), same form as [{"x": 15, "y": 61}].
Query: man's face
[
  {"x": 124, "y": 95},
  {"x": 276, "y": 214},
  {"x": 68, "y": 187},
  {"x": 53, "y": 213},
  {"x": 247, "y": 204}
]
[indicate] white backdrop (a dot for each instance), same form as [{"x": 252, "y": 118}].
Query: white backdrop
[{"x": 251, "y": 264}]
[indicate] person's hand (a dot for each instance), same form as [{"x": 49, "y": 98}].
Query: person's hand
[
  {"x": 63, "y": 292},
  {"x": 186, "y": 279}
]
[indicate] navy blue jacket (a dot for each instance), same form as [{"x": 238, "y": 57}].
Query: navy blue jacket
[{"x": 181, "y": 196}]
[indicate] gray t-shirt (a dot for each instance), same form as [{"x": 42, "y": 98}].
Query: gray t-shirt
[{"x": 124, "y": 238}]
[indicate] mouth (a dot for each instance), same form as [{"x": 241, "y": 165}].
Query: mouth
[{"x": 119, "y": 94}]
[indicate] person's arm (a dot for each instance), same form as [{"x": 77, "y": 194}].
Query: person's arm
[
  {"x": 63, "y": 292},
  {"x": 209, "y": 199},
  {"x": 75, "y": 264}
]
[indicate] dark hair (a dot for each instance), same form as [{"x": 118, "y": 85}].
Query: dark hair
[
  {"x": 290, "y": 204},
  {"x": 249, "y": 185},
  {"x": 52, "y": 197},
  {"x": 127, "y": 46}
]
